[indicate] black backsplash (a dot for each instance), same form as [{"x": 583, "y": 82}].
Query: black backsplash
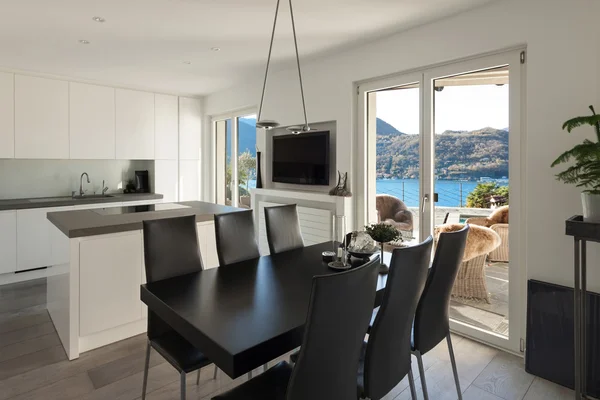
[{"x": 550, "y": 332}]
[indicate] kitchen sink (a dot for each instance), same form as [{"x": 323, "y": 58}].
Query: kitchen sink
[
  {"x": 93, "y": 197},
  {"x": 50, "y": 199},
  {"x": 67, "y": 198}
]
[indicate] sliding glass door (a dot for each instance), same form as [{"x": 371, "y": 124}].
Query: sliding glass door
[
  {"x": 444, "y": 146},
  {"x": 235, "y": 158}
]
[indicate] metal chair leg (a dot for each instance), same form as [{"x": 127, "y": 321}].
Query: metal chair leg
[
  {"x": 411, "y": 384},
  {"x": 265, "y": 367},
  {"x": 146, "y": 366},
  {"x": 215, "y": 374},
  {"x": 182, "y": 385},
  {"x": 249, "y": 375},
  {"x": 454, "y": 370},
  {"x": 198, "y": 378},
  {"x": 422, "y": 375}
]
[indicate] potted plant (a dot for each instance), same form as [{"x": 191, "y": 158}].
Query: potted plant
[
  {"x": 382, "y": 233},
  {"x": 585, "y": 173}
]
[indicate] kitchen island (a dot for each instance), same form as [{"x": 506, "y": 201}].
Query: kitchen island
[{"x": 94, "y": 300}]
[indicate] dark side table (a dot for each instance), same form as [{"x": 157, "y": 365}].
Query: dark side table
[{"x": 582, "y": 233}]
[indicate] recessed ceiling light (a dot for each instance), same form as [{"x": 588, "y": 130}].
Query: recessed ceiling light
[
  {"x": 99, "y": 19},
  {"x": 215, "y": 48},
  {"x": 83, "y": 41},
  {"x": 187, "y": 62}
]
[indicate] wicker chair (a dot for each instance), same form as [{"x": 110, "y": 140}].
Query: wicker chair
[
  {"x": 498, "y": 222},
  {"x": 470, "y": 282}
]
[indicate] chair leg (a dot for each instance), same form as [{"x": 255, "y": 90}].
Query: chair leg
[
  {"x": 422, "y": 375},
  {"x": 215, "y": 374},
  {"x": 411, "y": 384},
  {"x": 454, "y": 370},
  {"x": 249, "y": 375},
  {"x": 265, "y": 367},
  {"x": 146, "y": 366},
  {"x": 182, "y": 385},
  {"x": 198, "y": 377}
]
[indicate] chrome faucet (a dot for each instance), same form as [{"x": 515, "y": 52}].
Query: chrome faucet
[
  {"x": 104, "y": 188},
  {"x": 81, "y": 192}
]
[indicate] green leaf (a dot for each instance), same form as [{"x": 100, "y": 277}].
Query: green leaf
[{"x": 576, "y": 122}]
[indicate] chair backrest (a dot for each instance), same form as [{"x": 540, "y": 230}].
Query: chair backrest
[
  {"x": 236, "y": 238},
  {"x": 339, "y": 312},
  {"x": 387, "y": 357},
  {"x": 171, "y": 248},
  {"x": 432, "y": 322},
  {"x": 283, "y": 228}
]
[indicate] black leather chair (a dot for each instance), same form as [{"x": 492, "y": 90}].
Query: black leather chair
[
  {"x": 171, "y": 249},
  {"x": 386, "y": 357},
  {"x": 338, "y": 315},
  {"x": 236, "y": 238},
  {"x": 432, "y": 321},
  {"x": 283, "y": 228}
]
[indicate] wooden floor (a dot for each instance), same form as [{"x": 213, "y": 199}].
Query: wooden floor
[{"x": 34, "y": 366}]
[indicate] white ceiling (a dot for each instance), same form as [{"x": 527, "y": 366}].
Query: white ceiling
[{"x": 144, "y": 43}]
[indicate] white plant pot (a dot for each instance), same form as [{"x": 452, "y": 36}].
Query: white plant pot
[{"x": 591, "y": 207}]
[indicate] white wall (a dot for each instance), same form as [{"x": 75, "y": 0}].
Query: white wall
[
  {"x": 563, "y": 78},
  {"x": 44, "y": 178}
]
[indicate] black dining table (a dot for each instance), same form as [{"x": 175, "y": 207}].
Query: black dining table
[{"x": 243, "y": 315}]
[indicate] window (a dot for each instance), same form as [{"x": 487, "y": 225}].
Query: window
[{"x": 235, "y": 137}]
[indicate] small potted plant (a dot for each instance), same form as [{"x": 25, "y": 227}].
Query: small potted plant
[
  {"x": 382, "y": 233},
  {"x": 585, "y": 172}
]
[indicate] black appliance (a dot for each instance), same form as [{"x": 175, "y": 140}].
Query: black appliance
[
  {"x": 550, "y": 352},
  {"x": 301, "y": 159},
  {"x": 142, "y": 184}
]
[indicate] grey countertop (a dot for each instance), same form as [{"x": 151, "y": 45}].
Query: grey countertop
[
  {"x": 89, "y": 222},
  {"x": 64, "y": 201}
]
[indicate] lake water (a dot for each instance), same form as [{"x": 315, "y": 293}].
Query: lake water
[{"x": 450, "y": 193}]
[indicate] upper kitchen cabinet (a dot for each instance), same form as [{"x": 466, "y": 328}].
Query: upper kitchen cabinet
[
  {"x": 190, "y": 128},
  {"x": 92, "y": 121},
  {"x": 41, "y": 118},
  {"x": 7, "y": 115},
  {"x": 166, "y": 128},
  {"x": 135, "y": 125}
]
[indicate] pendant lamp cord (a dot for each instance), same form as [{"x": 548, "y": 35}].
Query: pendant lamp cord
[
  {"x": 262, "y": 97},
  {"x": 306, "y": 127}
]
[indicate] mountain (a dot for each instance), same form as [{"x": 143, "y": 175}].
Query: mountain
[
  {"x": 246, "y": 136},
  {"x": 384, "y": 128},
  {"x": 458, "y": 154}
]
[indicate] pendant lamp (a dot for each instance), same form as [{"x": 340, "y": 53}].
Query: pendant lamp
[{"x": 270, "y": 124}]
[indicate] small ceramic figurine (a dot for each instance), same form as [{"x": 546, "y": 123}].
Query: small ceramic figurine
[{"x": 340, "y": 189}]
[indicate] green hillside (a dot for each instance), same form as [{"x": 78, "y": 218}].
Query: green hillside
[{"x": 459, "y": 154}]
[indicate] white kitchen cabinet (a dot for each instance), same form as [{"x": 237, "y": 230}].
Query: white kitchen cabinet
[
  {"x": 8, "y": 241},
  {"x": 33, "y": 239},
  {"x": 7, "y": 115},
  {"x": 92, "y": 121},
  {"x": 189, "y": 180},
  {"x": 134, "y": 125},
  {"x": 166, "y": 140},
  {"x": 41, "y": 118},
  {"x": 109, "y": 277},
  {"x": 190, "y": 128},
  {"x": 207, "y": 242},
  {"x": 165, "y": 179}
]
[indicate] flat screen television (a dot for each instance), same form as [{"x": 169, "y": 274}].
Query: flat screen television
[{"x": 301, "y": 159}]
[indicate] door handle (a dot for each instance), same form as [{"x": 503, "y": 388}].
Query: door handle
[{"x": 425, "y": 199}]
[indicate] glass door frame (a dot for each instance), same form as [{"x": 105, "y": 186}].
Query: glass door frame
[
  {"x": 516, "y": 165},
  {"x": 366, "y": 146},
  {"x": 219, "y": 184},
  {"x": 365, "y": 177}
]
